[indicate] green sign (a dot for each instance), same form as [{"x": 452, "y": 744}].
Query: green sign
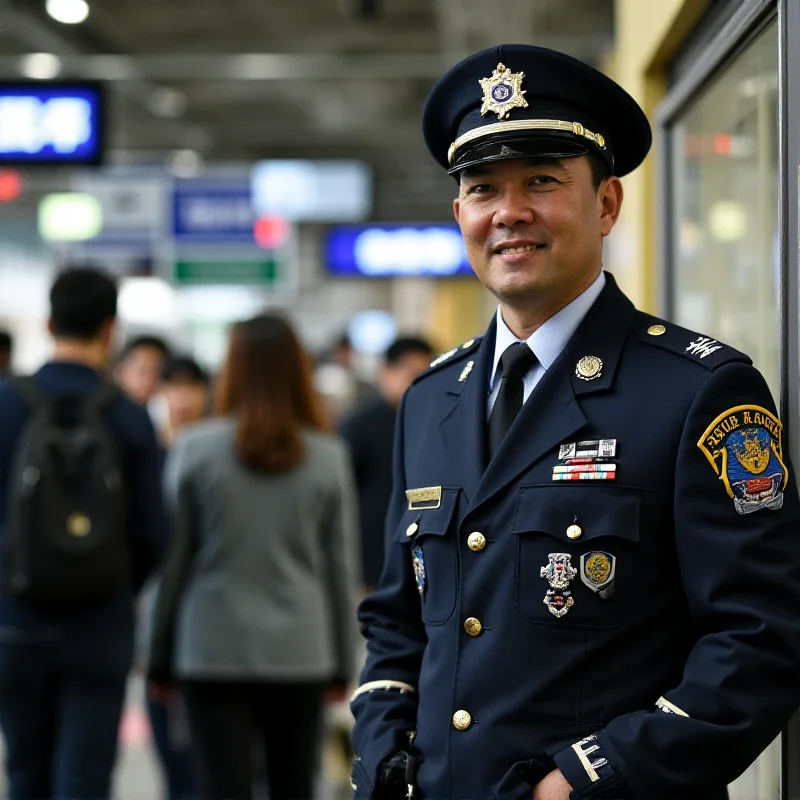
[{"x": 253, "y": 272}]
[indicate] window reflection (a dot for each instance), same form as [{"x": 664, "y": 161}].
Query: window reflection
[{"x": 725, "y": 208}]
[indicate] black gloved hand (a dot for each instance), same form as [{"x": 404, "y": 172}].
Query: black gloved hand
[{"x": 392, "y": 777}]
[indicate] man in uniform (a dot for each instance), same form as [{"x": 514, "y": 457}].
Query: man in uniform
[{"x": 593, "y": 545}]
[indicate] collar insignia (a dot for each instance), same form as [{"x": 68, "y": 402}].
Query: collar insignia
[{"x": 503, "y": 92}]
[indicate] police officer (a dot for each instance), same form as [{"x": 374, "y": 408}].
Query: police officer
[{"x": 593, "y": 545}]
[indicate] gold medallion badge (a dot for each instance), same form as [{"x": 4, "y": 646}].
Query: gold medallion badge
[{"x": 503, "y": 92}]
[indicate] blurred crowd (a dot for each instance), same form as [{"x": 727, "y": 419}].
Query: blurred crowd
[{"x": 212, "y": 531}]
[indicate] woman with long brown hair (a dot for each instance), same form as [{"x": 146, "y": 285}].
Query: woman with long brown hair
[{"x": 256, "y": 613}]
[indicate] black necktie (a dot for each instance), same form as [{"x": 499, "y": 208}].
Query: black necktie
[{"x": 516, "y": 361}]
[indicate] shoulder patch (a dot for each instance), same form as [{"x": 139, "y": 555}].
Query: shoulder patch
[
  {"x": 704, "y": 350},
  {"x": 450, "y": 357}
]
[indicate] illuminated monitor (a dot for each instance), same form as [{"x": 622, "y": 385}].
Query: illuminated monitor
[{"x": 51, "y": 123}]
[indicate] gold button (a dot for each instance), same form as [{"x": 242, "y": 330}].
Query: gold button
[
  {"x": 656, "y": 330},
  {"x": 462, "y": 720},
  {"x": 476, "y": 541},
  {"x": 78, "y": 525},
  {"x": 468, "y": 344},
  {"x": 412, "y": 529},
  {"x": 473, "y": 626},
  {"x": 574, "y": 531}
]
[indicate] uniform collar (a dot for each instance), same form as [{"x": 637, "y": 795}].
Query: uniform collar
[{"x": 549, "y": 340}]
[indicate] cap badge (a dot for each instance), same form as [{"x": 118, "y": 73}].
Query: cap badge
[{"x": 503, "y": 92}]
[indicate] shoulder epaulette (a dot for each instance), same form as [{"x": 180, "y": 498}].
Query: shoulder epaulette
[
  {"x": 704, "y": 350},
  {"x": 450, "y": 357}
]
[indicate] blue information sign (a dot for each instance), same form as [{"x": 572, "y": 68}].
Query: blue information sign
[
  {"x": 206, "y": 213},
  {"x": 396, "y": 251},
  {"x": 51, "y": 123}
]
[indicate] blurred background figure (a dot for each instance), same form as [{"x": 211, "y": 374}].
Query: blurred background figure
[
  {"x": 139, "y": 367},
  {"x": 182, "y": 399},
  {"x": 338, "y": 380},
  {"x": 369, "y": 431},
  {"x": 6, "y": 353},
  {"x": 64, "y": 660},
  {"x": 256, "y": 611},
  {"x": 185, "y": 391}
]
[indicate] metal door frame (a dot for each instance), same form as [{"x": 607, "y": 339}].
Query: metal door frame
[{"x": 747, "y": 22}]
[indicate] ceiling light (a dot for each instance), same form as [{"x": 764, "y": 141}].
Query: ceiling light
[
  {"x": 185, "y": 163},
  {"x": 40, "y": 66},
  {"x": 70, "y": 12},
  {"x": 167, "y": 102}
]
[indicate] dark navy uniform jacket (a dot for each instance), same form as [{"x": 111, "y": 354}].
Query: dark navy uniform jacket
[{"x": 668, "y": 688}]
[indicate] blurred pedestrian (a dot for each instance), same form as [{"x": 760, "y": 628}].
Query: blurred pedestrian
[
  {"x": 337, "y": 379},
  {"x": 184, "y": 391},
  {"x": 139, "y": 367},
  {"x": 6, "y": 353},
  {"x": 82, "y": 524},
  {"x": 370, "y": 433},
  {"x": 256, "y": 610}
]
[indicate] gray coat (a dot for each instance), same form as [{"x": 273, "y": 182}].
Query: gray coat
[{"x": 267, "y": 587}]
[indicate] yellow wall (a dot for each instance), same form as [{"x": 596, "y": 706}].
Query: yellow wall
[{"x": 647, "y": 33}]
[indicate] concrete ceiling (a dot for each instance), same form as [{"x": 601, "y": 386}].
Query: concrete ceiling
[{"x": 247, "y": 79}]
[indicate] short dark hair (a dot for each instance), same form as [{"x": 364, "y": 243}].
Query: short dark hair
[
  {"x": 6, "y": 341},
  {"x": 82, "y": 300},
  {"x": 184, "y": 368},
  {"x": 405, "y": 345},
  {"x": 600, "y": 169},
  {"x": 147, "y": 341}
]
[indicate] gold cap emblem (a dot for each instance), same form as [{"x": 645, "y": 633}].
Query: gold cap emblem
[
  {"x": 589, "y": 368},
  {"x": 503, "y": 92}
]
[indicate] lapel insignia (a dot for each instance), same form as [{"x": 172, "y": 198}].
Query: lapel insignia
[
  {"x": 597, "y": 572},
  {"x": 592, "y": 460},
  {"x": 466, "y": 371},
  {"x": 418, "y": 560},
  {"x": 743, "y": 445},
  {"x": 444, "y": 357},
  {"x": 558, "y": 573},
  {"x": 589, "y": 368},
  {"x": 503, "y": 92}
]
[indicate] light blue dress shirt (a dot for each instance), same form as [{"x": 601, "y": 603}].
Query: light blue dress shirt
[{"x": 547, "y": 341}]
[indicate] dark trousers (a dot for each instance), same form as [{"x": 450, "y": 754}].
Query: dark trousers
[
  {"x": 60, "y": 708},
  {"x": 170, "y": 727},
  {"x": 225, "y": 717}
]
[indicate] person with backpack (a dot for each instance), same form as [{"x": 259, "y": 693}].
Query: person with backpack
[{"x": 82, "y": 525}]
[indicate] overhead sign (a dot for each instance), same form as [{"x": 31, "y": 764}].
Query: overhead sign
[
  {"x": 313, "y": 191},
  {"x": 395, "y": 251},
  {"x": 133, "y": 206},
  {"x": 51, "y": 123},
  {"x": 205, "y": 212},
  {"x": 253, "y": 272}
]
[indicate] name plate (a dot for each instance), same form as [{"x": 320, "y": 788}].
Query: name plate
[{"x": 427, "y": 497}]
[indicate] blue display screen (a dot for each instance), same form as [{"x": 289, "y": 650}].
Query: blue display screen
[
  {"x": 51, "y": 123},
  {"x": 396, "y": 251}
]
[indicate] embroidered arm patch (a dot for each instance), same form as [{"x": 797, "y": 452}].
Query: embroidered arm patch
[{"x": 743, "y": 445}]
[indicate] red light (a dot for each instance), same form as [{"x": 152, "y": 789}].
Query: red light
[
  {"x": 271, "y": 232},
  {"x": 722, "y": 144},
  {"x": 10, "y": 185}
]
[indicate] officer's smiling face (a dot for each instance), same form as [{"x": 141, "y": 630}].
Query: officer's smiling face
[{"x": 534, "y": 229}]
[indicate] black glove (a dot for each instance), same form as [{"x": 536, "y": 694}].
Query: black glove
[{"x": 392, "y": 777}]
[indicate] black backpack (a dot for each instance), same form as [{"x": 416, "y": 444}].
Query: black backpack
[{"x": 65, "y": 546}]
